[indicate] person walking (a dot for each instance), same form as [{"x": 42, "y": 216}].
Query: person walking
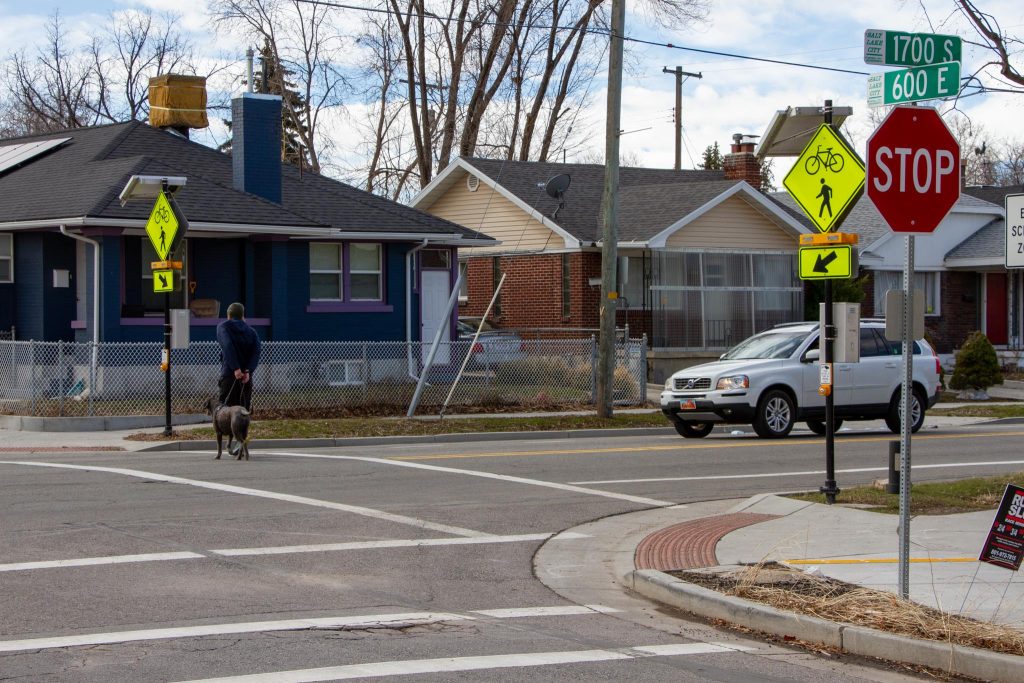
[{"x": 239, "y": 356}]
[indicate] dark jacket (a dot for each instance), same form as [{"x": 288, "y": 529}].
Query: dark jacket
[{"x": 239, "y": 347}]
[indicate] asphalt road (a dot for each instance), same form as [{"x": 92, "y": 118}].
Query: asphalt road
[{"x": 411, "y": 562}]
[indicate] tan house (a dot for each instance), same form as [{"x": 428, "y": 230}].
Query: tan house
[{"x": 705, "y": 259}]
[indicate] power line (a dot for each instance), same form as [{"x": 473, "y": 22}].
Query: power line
[{"x": 599, "y": 32}]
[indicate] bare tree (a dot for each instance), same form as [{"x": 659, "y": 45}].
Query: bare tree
[
  {"x": 50, "y": 89},
  {"x": 1004, "y": 47},
  {"x": 482, "y": 78},
  {"x": 305, "y": 43}
]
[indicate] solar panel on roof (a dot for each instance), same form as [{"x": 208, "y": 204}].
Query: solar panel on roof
[{"x": 13, "y": 155}]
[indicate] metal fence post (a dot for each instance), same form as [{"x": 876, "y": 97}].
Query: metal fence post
[
  {"x": 643, "y": 370},
  {"x": 60, "y": 376},
  {"x": 32, "y": 380},
  {"x": 593, "y": 369},
  {"x": 366, "y": 374},
  {"x": 93, "y": 356}
]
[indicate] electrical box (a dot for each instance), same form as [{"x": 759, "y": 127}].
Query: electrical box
[
  {"x": 846, "y": 320},
  {"x": 180, "y": 322},
  {"x": 894, "y": 315}
]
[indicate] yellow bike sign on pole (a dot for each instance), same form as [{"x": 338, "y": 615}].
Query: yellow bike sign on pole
[
  {"x": 162, "y": 226},
  {"x": 827, "y": 179}
]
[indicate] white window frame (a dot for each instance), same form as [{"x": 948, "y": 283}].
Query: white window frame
[
  {"x": 378, "y": 271},
  {"x": 9, "y": 238},
  {"x": 340, "y": 272},
  {"x": 893, "y": 279},
  {"x": 464, "y": 286},
  {"x": 343, "y": 373}
]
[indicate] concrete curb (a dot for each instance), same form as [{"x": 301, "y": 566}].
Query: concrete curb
[
  {"x": 274, "y": 444},
  {"x": 856, "y": 640}
]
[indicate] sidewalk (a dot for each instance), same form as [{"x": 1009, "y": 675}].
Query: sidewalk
[{"x": 845, "y": 543}]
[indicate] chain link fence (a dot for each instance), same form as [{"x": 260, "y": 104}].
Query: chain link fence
[{"x": 82, "y": 379}]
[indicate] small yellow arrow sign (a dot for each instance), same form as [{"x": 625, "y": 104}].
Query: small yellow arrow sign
[
  {"x": 827, "y": 179},
  {"x": 163, "y": 280},
  {"x": 824, "y": 263},
  {"x": 162, "y": 226}
]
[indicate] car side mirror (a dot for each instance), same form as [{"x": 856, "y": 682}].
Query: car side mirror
[{"x": 811, "y": 356}]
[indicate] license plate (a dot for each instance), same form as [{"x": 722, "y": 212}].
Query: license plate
[{"x": 688, "y": 404}]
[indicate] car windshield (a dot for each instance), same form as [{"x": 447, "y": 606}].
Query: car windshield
[{"x": 770, "y": 344}]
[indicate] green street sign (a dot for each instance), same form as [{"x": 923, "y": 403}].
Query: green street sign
[
  {"x": 897, "y": 48},
  {"x": 913, "y": 85}
]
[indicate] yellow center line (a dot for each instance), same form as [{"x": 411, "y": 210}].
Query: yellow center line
[
  {"x": 704, "y": 445},
  {"x": 885, "y": 560}
]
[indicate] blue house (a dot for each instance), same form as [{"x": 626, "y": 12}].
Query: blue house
[{"x": 311, "y": 258}]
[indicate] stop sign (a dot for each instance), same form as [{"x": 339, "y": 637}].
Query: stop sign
[{"x": 913, "y": 169}]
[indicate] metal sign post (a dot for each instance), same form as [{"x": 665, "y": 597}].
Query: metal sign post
[{"x": 906, "y": 397}]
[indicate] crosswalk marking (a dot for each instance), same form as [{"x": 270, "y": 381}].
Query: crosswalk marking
[
  {"x": 477, "y": 663},
  {"x": 349, "y": 622},
  {"x": 259, "y": 493},
  {"x": 282, "y": 550}
]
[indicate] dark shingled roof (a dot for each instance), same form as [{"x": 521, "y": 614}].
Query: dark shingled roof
[
  {"x": 992, "y": 194},
  {"x": 83, "y": 177},
  {"x": 650, "y": 199},
  {"x": 987, "y": 243}
]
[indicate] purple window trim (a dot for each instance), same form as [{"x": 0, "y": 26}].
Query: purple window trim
[
  {"x": 198, "y": 322},
  {"x": 78, "y": 324},
  {"x": 349, "y": 307}
]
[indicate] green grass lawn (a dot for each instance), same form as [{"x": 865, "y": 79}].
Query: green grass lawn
[{"x": 934, "y": 498}]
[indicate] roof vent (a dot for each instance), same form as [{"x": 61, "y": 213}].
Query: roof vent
[{"x": 472, "y": 182}]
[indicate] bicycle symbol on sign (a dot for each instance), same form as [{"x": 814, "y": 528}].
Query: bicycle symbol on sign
[
  {"x": 833, "y": 162},
  {"x": 163, "y": 215}
]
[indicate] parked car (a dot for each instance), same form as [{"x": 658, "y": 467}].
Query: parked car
[
  {"x": 493, "y": 347},
  {"x": 771, "y": 381}
]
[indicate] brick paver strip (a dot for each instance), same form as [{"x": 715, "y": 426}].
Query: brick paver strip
[{"x": 691, "y": 544}]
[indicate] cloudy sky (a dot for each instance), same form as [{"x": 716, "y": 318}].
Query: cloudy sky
[{"x": 734, "y": 95}]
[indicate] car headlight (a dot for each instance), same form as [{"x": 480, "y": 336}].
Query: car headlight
[
  {"x": 734, "y": 382},
  {"x": 669, "y": 384}
]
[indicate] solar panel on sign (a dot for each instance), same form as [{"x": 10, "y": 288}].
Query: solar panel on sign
[{"x": 13, "y": 155}]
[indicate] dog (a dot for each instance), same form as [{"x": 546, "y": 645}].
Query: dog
[{"x": 232, "y": 421}]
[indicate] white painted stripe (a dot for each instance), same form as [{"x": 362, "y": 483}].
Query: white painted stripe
[
  {"x": 89, "y": 561},
  {"x": 286, "y": 497},
  {"x": 560, "y": 611},
  {"x": 356, "y": 622},
  {"x": 351, "y": 622},
  {"x": 398, "y": 543},
  {"x": 852, "y": 470},
  {"x": 286, "y": 549},
  {"x": 478, "y": 663},
  {"x": 487, "y": 475}
]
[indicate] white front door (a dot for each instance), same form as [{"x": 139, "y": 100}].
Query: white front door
[{"x": 434, "y": 293}]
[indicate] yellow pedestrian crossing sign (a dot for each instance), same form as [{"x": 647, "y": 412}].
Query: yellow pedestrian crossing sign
[
  {"x": 163, "y": 281},
  {"x": 837, "y": 262},
  {"x": 827, "y": 179},
  {"x": 162, "y": 227}
]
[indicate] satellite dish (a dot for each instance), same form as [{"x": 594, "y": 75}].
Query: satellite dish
[{"x": 557, "y": 186}]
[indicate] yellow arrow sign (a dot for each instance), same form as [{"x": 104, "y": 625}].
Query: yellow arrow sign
[
  {"x": 163, "y": 280},
  {"x": 827, "y": 179},
  {"x": 824, "y": 263},
  {"x": 162, "y": 227}
]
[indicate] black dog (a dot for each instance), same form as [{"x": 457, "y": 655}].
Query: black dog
[{"x": 232, "y": 421}]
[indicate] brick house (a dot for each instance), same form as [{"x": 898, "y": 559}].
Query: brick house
[
  {"x": 705, "y": 259},
  {"x": 959, "y": 267}
]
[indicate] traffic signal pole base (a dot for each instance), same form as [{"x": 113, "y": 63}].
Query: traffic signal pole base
[{"x": 831, "y": 490}]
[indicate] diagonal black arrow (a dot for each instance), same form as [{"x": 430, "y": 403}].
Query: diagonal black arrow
[
  {"x": 163, "y": 278},
  {"x": 821, "y": 265}
]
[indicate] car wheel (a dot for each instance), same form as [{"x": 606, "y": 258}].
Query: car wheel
[
  {"x": 818, "y": 426},
  {"x": 917, "y": 408},
  {"x": 693, "y": 430},
  {"x": 775, "y": 415}
]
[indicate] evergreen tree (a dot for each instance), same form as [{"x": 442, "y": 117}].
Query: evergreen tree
[
  {"x": 271, "y": 78},
  {"x": 977, "y": 366}
]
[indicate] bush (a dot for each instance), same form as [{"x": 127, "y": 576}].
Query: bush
[{"x": 977, "y": 366}]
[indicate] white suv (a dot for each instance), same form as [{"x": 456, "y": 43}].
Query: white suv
[{"x": 771, "y": 381}]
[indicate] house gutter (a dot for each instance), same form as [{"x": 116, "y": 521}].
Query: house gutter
[
  {"x": 408, "y": 304},
  {"x": 95, "y": 299}
]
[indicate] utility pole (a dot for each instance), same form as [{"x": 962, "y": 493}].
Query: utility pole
[
  {"x": 679, "y": 73},
  {"x": 609, "y": 205}
]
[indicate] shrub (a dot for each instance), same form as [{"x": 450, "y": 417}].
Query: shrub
[{"x": 977, "y": 366}]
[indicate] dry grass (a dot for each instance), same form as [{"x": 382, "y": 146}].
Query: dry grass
[{"x": 826, "y": 598}]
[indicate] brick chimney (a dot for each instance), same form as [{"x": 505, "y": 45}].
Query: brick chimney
[
  {"x": 741, "y": 164},
  {"x": 256, "y": 145}
]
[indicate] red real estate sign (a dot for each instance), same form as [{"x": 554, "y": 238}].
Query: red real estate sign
[
  {"x": 1005, "y": 543},
  {"x": 913, "y": 169}
]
